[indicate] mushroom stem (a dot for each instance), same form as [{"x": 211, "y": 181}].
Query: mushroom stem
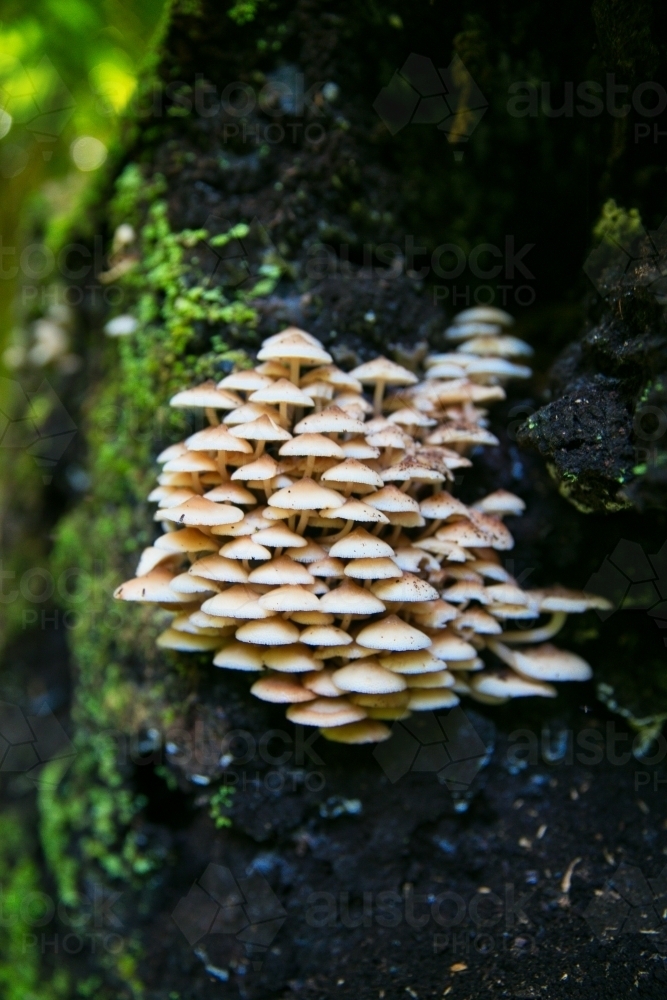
[
  {"x": 212, "y": 416},
  {"x": 342, "y": 533},
  {"x": 303, "y": 521},
  {"x": 541, "y": 634},
  {"x": 196, "y": 485},
  {"x": 378, "y": 396},
  {"x": 502, "y": 651},
  {"x": 432, "y": 528},
  {"x": 377, "y": 528},
  {"x": 310, "y": 462},
  {"x": 406, "y": 486},
  {"x": 294, "y": 371},
  {"x": 282, "y": 409},
  {"x": 393, "y": 538},
  {"x": 345, "y": 622},
  {"x": 222, "y": 466},
  {"x": 259, "y": 451}
]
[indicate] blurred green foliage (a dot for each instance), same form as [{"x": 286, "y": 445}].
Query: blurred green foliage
[{"x": 68, "y": 72}]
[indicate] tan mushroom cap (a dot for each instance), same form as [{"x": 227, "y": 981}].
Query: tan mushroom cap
[
  {"x": 328, "y": 567},
  {"x": 270, "y": 632},
  {"x": 562, "y": 599},
  {"x": 435, "y": 614},
  {"x": 232, "y": 493},
  {"x": 279, "y": 571},
  {"x": 152, "y": 557},
  {"x": 352, "y": 471},
  {"x": 304, "y": 495},
  {"x": 171, "y": 451},
  {"x": 291, "y": 331},
  {"x": 250, "y": 411},
  {"x": 217, "y": 438},
  {"x": 382, "y": 568},
  {"x": 186, "y": 642},
  {"x": 326, "y": 635},
  {"x": 188, "y": 583},
  {"x": 360, "y": 544},
  {"x": 419, "y": 661},
  {"x": 547, "y": 663},
  {"x": 207, "y": 395},
  {"x": 183, "y": 623},
  {"x": 501, "y": 502},
  {"x": 514, "y": 611},
  {"x": 245, "y": 381},
  {"x": 289, "y": 598},
  {"x": 368, "y": 677},
  {"x": 311, "y": 444},
  {"x": 506, "y": 593},
  {"x": 321, "y": 683},
  {"x": 295, "y": 347},
  {"x": 394, "y": 699},
  {"x": 507, "y": 684},
  {"x": 432, "y": 679},
  {"x": 407, "y": 588},
  {"x": 282, "y": 391},
  {"x": 442, "y": 505},
  {"x": 292, "y": 659},
  {"x": 280, "y": 536},
  {"x": 201, "y": 619},
  {"x": 490, "y": 570},
  {"x": 281, "y": 690},
  {"x": 272, "y": 369},
  {"x": 245, "y": 547},
  {"x": 392, "y": 634},
  {"x": 409, "y": 417},
  {"x": 411, "y": 469},
  {"x": 311, "y": 617},
  {"x": 493, "y": 345},
  {"x": 198, "y": 511},
  {"x": 349, "y": 652},
  {"x": 463, "y": 533},
  {"x": 191, "y": 461},
  {"x": 238, "y": 656},
  {"x": 383, "y": 370},
  {"x": 357, "y": 733},
  {"x": 327, "y": 712},
  {"x": 484, "y": 314},
  {"x": 430, "y": 699},
  {"x": 461, "y": 434},
  {"x": 449, "y": 646},
  {"x": 478, "y": 621},
  {"x": 153, "y": 587},
  {"x": 391, "y": 500},
  {"x": 466, "y": 590},
  {"x": 332, "y": 376},
  {"x": 349, "y": 599},
  {"x": 356, "y": 510},
  {"x": 261, "y": 470},
  {"x": 359, "y": 448},
  {"x": 232, "y": 601},
  {"x": 264, "y": 428},
  {"x": 412, "y": 559},
  {"x": 390, "y": 437},
  {"x": 252, "y": 523},
  {"x": 187, "y": 540},
  {"x": 220, "y": 569},
  {"x": 332, "y": 420}
]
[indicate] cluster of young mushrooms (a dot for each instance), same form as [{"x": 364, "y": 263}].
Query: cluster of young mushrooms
[{"x": 309, "y": 537}]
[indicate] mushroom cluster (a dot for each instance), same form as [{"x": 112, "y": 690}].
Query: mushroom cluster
[{"x": 310, "y": 537}]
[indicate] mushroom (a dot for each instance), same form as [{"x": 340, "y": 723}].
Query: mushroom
[{"x": 379, "y": 373}]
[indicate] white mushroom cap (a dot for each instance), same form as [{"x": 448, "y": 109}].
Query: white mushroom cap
[
  {"x": 232, "y": 493},
  {"x": 328, "y": 567},
  {"x": 191, "y": 461},
  {"x": 279, "y": 536},
  {"x": 484, "y": 314},
  {"x": 250, "y": 411},
  {"x": 332, "y": 376},
  {"x": 359, "y": 448},
  {"x": 238, "y": 656},
  {"x": 305, "y": 494},
  {"x": 217, "y": 438},
  {"x": 356, "y": 510},
  {"x": 279, "y": 571},
  {"x": 497, "y": 346},
  {"x": 392, "y": 634},
  {"x": 245, "y": 547},
  {"x": 282, "y": 391},
  {"x": 431, "y": 699},
  {"x": 432, "y": 679},
  {"x": 261, "y": 470},
  {"x": 326, "y": 712},
  {"x": 478, "y": 621},
  {"x": 186, "y": 642},
  {"x": 391, "y": 500},
  {"x": 198, "y": 511},
  {"x": 171, "y": 451},
  {"x": 383, "y": 370},
  {"x": 188, "y": 583},
  {"x": 442, "y": 505},
  {"x": 296, "y": 659},
  {"x": 333, "y": 420},
  {"x": 306, "y": 552},
  {"x": 153, "y": 587},
  {"x": 435, "y": 614},
  {"x": 294, "y": 347},
  {"x": 449, "y": 646},
  {"x": 547, "y": 663},
  {"x": 187, "y": 540},
  {"x": 353, "y": 471},
  {"x": 289, "y": 598},
  {"x": 420, "y": 661},
  {"x": 245, "y": 381},
  {"x": 507, "y": 684},
  {"x": 407, "y": 588},
  {"x": 325, "y": 635},
  {"x": 368, "y": 677},
  {"x": 151, "y": 558},
  {"x": 281, "y": 690},
  {"x": 372, "y": 569},
  {"x": 270, "y": 632},
  {"x": 349, "y": 599},
  {"x": 206, "y": 395},
  {"x": 312, "y": 444},
  {"x": 264, "y": 428},
  {"x": 321, "y": 682},
  {"x": 360, "y": 544}
]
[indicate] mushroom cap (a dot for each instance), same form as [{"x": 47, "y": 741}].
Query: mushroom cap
[
  {"x": 219, "y": 568},
  {"x": 187, "y": 540},
  {"x": 407, "y": 588},
  {"x": 498, "y": 367},
  {"x": 245, "y": 547},
  {"x": 492, "y": 526},
  {"x": 382, "y": 568},
  {"x": 153, "y": 587},
  {"x": 264, "y": 428},
  {"x": 412, "y": 559},
  {"x": 278, "y": 536},
  {"x": 356, "y": 510},
  {"x": 478, "y": 621},
  {"x": 449, "y": 646},
  {"x": 321, "y": 682},
  {"x": 360, "y": 544},
  {"x": 432, "y": 698},
  {"x": 270, "y": 632},
  {"x": 328, "y": 567},
  {"x": 461, "y": 434},
  {"x": 171, "y": 451},
  {"x": 312, "y": 444},
  {"x": 202, "y": 620},
  {"x": 506, "y": 593},
  {"x": 332, "y": 420},
  {"x": 281, "y": 690},
  {"x": 231, "y": 493},
  {"x": 261, "y": 470},
  {"x": 507, "y": 684},
  {"x": 410, "y": 469},
  {"x": 325, "y": 635},
  {"x": 232, "y": 601},
  {"x": 435, "y": 614},
  {"x": 390, "y": 437},
  {"x": 420, "y": 661},
  {"x": 281, "y": 570},
  {"x": 238, "y": 656},
  {"x": 463, "y": 533},
  {"x": 484, "y": 314},
  {"x": 326, "y": 712},
  {"x": 352, "y": 471},
  {"x": 250, "y": 411},
  {"x": 407, "y": 416},
  {"x": 501, "y": 502},
  {"x": 150, "y": 558},
  {"x": 245, "y": 381},
  {"x": 490, "y": 570},
  {"x": 217, "y": 438},
  {"x": 391, "y": 500},
  {"x": 191, "y": 461},
  {"x": 206, "y": 395},
  {"x": 368, "y": 677},
  {"x": 466, "y": 590},
  {"x": 198, "y": 511},
  {"x": 253, "y": 522},
  {"x": 332, "y": 376},
  {"x": 358, "y": 448},
  {"x": 293, "y": 659},
  {"x": 494, "y": 345},
  {"x": 547, "y": 663},
  {"x": 188, "y": 583},
  {"x": 291, "y": 331},
  {"x": 383, "y": 370},
  {"x": 305, "y": 494},
  {"x": 561, "y": 599},
  {"x": 186, "y": 642},
  {"x": 294, "y": 347},
  {"x": 357, "y": 733},
  {"x": 289, "y": 598},
  {"x": 464, "y": 331},
  {"x": 349, "y": 599},
  {"x": 433, "y": 679},
  {"x": 311, "y": 617},
  {"x": 442, "y": 505},
  {"x": 282, "y": 391},
  {"x": 392, "y": 634},
  {"x": 516, "y": 611}
]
